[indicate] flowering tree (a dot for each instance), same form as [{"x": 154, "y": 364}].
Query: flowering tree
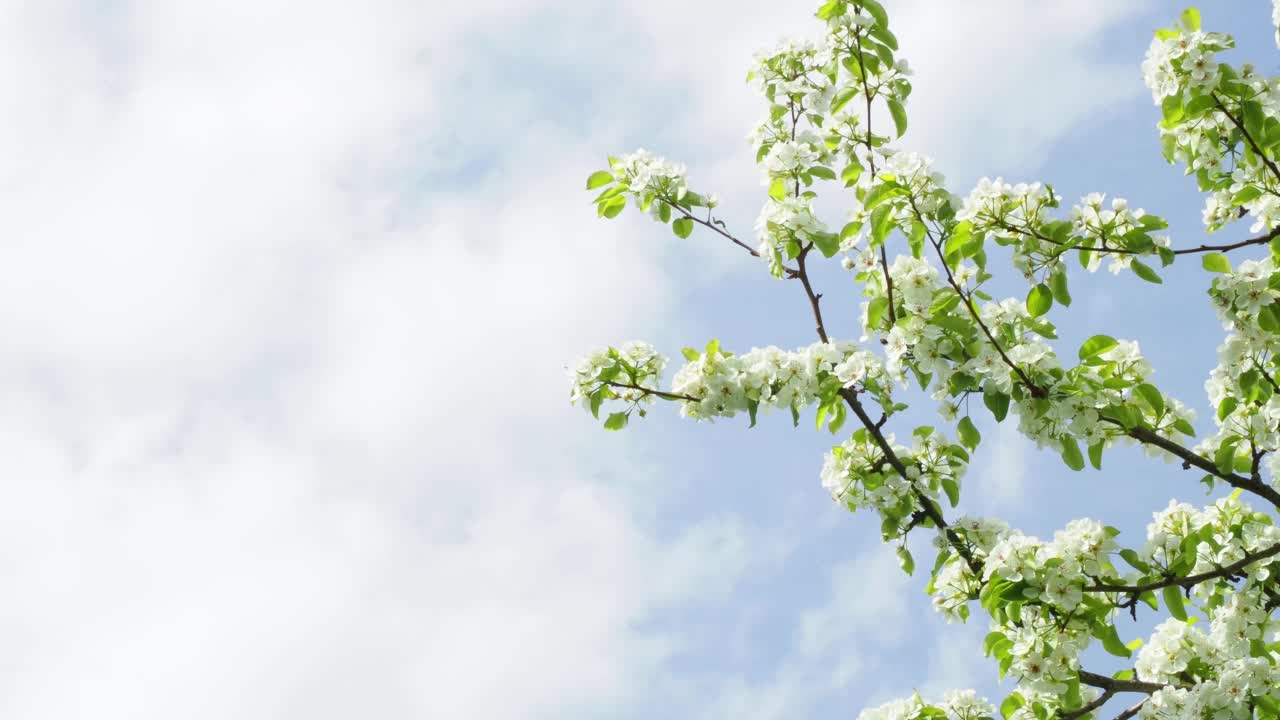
[{"x": 928, "y": 322}]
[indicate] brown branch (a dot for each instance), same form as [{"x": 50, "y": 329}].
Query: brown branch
[
  {"x": 1118, "y": 686},
  {"x": 1189, "y": 580},
  {"x": 1088, "y": 708},
  {"x": 1271, "y": 165},
  {"x": 1032, "y": 387},
  {"x": 1191, "y": 459},
  {"x": 1260, "y": 240},
  {"x": 814, "y": 298},
  {"x": 926, "y": 504},
  {"x": 651, "y": 391},
  {"x": 871, "y": 160},
  {"x": 1132, "y": 710}
]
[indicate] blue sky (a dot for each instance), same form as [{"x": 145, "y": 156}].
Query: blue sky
[{"x": 288, "y": 296}]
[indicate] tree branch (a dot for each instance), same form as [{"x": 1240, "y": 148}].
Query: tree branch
[
  {"x": 717, "y": 227},
  {"x": 814, "y": 298},
  {"x": 1191, "y": 459},
  {"x": 927, "y": 505},
  {"x": 1271, "y": 165},
  {"x": 1118, "y": 686},
  {"x": 1189, "y": 580},
  {"x": 651, "y": 391}
]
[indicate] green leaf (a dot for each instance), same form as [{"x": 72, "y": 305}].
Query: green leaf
[
  {"x": 613, "y": 207},
  {"x": 690, "y": 354},
  {"x": 1172, "y": 595},
  {"x": 1071, "y": 453},
  {"x": 876, "y": 10},
  {"x": 599, "y": 178},
  {"x": 778, "y": 188},
  {"x": 1144, "y": 272},
  {"x": 1191, "y": 19},
  {"x": 905, "y": 561},
  {"x": 842, "y": 98},
  {"x": 996, "y": 401},
  {"x": 827, "y": 243},
  {"x": 1095, "y": 454},
  {"x": 682, "y": 227},
  {"x": 1132, "y": 557},
  {"x": 616, "y": 421},
  {"x": 1011, "y": 705},
  {"x": 990, "y": 641},
  {"x": 1216, "y": 262},
  {"x": 875, "y": 312},
  {"x": 851, "y": 173},
  {"x": 1058, "y": 284},
  {"x": 1096, "y": 345},
  {"x": 879, "y": 194},
  {"x": 881, "y": 224},
  {"x": 1039, "y": 300},
  {"x": 1225, "y": 456},
  {"x": 952, "y": 489},
  {"x": 1151, "y": 396},
  {"x": 899, "y": 115},
  {"x": 969, "y": 435},
  {"x": 1111, "y": 640},
  {"x": 1171, "y": 109},
  {"x": 822, "y": 172}
]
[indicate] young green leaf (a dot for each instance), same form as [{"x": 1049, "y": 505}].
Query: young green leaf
[
  {"x": 1096, "y": 345},
  {"x": 905, "y": 561},
  {"x": 1216, "y": 262},
  {"x": 599, "y": 178},
  {"x": 1071, "y": 453},
  {"x": 1111, "y": 640},
  {"x": 616, "y": 421},
  {"x": 1144, "y": 272},
  {"x": 1039, "y": 300},
  {"x": 899, "y": 115},
  {"x": 1172, "y": 595},
  {"x": 969, "y": 435},
  {"x": 682, "y": 227},
  {"x": 1058, "y": 284}
]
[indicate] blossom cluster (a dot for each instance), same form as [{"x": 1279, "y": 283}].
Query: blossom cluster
[
  {"x": 858, "y": 474},
  {"x": 1203, "y": 674},
  {"x": 1020, "y": 215},
  {"x": 955, "y": 705},
  {"x": 813, "y": 127},
  {"x": 723, "y": 385},
  {"x": 1216, "y": 122},
  {"x": 1242, "y": 386}
]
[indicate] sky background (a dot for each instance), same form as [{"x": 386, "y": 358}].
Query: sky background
[{"x": 287, "y": 295}]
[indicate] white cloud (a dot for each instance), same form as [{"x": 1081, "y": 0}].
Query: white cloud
[{"x": 285, "y": 439}]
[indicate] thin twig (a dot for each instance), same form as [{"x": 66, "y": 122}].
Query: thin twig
[{"x": 1189, "y": 580}]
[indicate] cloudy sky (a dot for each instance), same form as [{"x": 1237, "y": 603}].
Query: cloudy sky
[{"x": 287, "y": 292}]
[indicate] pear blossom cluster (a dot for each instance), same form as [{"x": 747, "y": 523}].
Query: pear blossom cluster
[
  {"x": 858, "y": 474},
  {"x": 813, "y": 127},
  {"x": 1204, "y": 677},
  {"x": 647, "y": 175},
  {"x": 724, "y": 384},
  {"x": 1215, "y": 124},
  {"x": 1242, "y": 385},
  {"x": 1183, "y": 538},
  {"x": 1177, "y": 61},
  {"x": 611, "y": 370},
  {"x": 1020, "y": 215},
  {"x": 1112, "y": 226},
  {"x": 955, "y": 705}
]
